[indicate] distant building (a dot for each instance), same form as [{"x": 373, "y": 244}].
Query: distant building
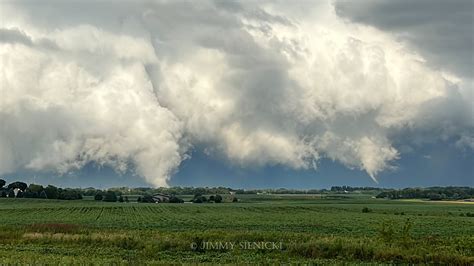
[{"x": 158, "y": 198}]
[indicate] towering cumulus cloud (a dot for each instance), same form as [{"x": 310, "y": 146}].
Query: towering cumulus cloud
[{"x": 136, "y": 85}]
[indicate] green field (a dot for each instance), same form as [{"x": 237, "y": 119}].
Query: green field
[{"x": 307, "y": 228}]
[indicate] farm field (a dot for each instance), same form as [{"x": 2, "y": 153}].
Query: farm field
[{"x": 300, "y": 229}]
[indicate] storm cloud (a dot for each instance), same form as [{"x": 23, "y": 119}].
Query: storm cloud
[
  {"x": 137, "y": 85},
  {"x": 441, "y": 31}
]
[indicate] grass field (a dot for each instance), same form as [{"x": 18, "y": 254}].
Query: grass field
[{"x": 303, "y": 229}]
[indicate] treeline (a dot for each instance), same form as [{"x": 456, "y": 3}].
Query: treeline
[
  {"x": 22, "y": 190},
  {"x": 162, "y": 190},
  {"x": 52, "y": 192},
  {"x": 225, "y": 190},
  {"x": 431, "y": 193},
  {"x": 336, "y": 189},
  {"x": 352, "y": 189}
]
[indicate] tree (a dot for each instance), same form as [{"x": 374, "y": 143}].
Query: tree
[
  {"x": 218, "y": 199},
  {"x": 33, "y": 188},
  {"x": 147, "y": 199},
  {"x": 3, "y": 194},
  {"x": 2, "y": 183},
  {"x": 126, "y": 199},
  {"x": 174, "y": 199},
  {"x": 11, "y": 193},
  {"x": 110, "y": 196},
  {"x": 43, "y": 195},
  {"x": 29, "y": 194},
  {"x": 120, "y": 199},
  {"x": 98, "y": 196},
  {"x": 33, "y": 191},
  {"x": 235, "y": 199},
  {"x": 139, "y": 199},
  {"x": 211, "y": 198},
  {"x": 69, "y": 194},
  {"x": 200, "y": 199},
  {"x": 51, "y": 192},
  {"x": 20, "y": 185}
]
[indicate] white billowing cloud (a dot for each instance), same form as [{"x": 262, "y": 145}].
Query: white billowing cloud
[
  {"x": 60, "y": 111},
  {"x": 258, "y": 84}
]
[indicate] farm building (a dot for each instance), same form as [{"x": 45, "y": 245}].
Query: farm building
[{"x": 161, "y": 198}]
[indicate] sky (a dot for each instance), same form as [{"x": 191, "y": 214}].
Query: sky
[{"x": 243, "y": 94}]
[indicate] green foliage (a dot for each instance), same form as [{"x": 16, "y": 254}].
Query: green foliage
[
  {"x": 2, "y": 183},
  {"x": 43, "y": 195},
  {"x": 199, "y": 199},
  {"x": 69, "y": 194},
  {"x": 146, "y": 199},
  {"x": 33, "y": 191},
  {"x": 174, "y": 199},
  {"x": 51, "y": 192},
  {"x": 387, "y": 233},
  {"x": 110, "y": 196},
  {"x": 20, "y": 185},
  {"x": 218, "y": 199},
  {"x": 432, "y": 193},
  {"x": 35, "y": 188},
  {"x": 390, "y": 235},
  {"x": 98, "y": 197}
]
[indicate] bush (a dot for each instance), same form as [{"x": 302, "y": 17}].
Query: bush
[
  {"x": 147, "y": 199},
  {"x": 98, "y": 196},
  {"x": 200, "y": 199},
  {"x": 120, "y": 199},
  {"x": 110, "y": 196},
  {"x": 366, "y": 210},
  {"x": 235, "y": 199},
  {"x": 218, "y": 199},
  {"x": 174, "y": 199},
  {"x": 69, "y": 194}
]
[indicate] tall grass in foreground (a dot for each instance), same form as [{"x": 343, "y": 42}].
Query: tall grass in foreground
[{"x": 62, "y": 243}]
